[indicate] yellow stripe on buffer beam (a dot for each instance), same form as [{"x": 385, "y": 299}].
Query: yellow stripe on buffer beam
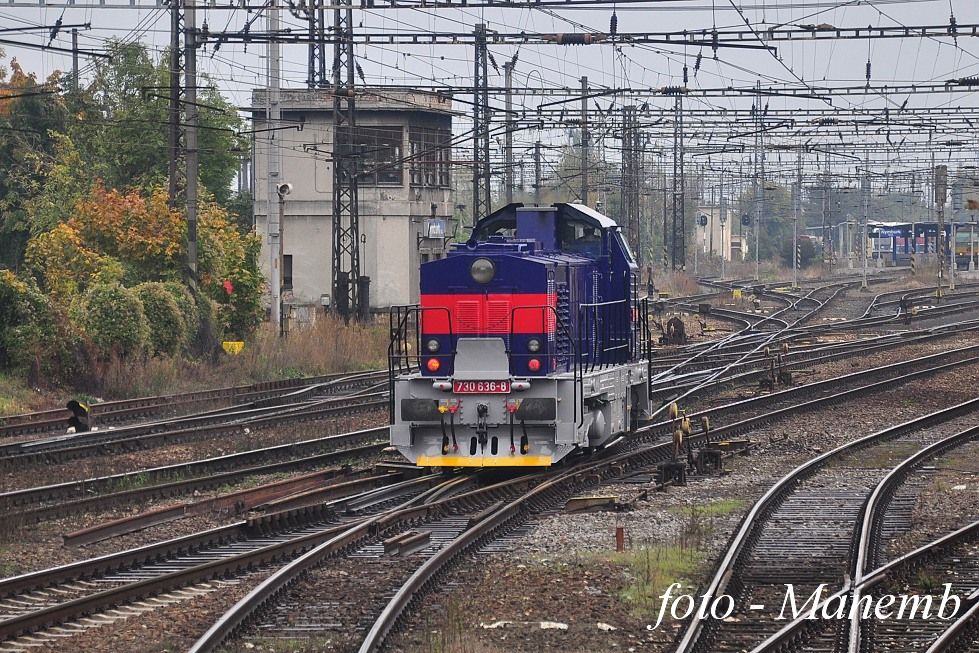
[{"x": 483, "y": 461}]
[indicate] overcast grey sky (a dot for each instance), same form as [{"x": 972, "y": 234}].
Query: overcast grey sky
[{"x": 239, "y": 69}]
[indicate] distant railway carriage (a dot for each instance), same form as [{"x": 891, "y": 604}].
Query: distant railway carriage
[{"x": 529, "y": 341}]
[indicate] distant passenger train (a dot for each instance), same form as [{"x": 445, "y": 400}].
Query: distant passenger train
[{"x": 529, "y": 341}]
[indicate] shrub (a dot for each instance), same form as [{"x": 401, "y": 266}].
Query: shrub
[
  {"x": 209, "y": 333},
  {"x": 168, "y": 329},
  {"x": 188, "y": 307},
  {"x": 112, "y": 317},
  {"x": 16, "y": 320},
  {"x": 34, "y": 337}
]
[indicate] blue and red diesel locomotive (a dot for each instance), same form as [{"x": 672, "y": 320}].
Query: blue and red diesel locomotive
[{"x": 529, "y": 341}]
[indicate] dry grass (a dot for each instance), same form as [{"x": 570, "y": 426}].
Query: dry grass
[
  {"x": 17, "y": 398},
  {"x": 325, "y": 347}
]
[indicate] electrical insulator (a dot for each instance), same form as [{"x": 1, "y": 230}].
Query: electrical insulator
[
  {"x": 868, "y": 70},
  {"x": 696, "y": 65},
  {"x": 613, "y": 24},
  {"x": 686, "y": 75}
]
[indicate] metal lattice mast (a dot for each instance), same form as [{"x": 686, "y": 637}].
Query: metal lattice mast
[
  {"x": 585, "y": 137},
  {"x": 630, "y": 176},
  {"x": 759, "y": 179},
  {"x": 346, "y": 219},
  {"x": 316, "y": 75},
  {"x": 538, "y": 191},
  {"x": 677, "y": 246},
  {"x": 481, "y": 126}
]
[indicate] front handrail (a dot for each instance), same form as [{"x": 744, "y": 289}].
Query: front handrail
[
  {"x": 399, "y": 351},
  {"x": 575, "y": 362},
  {"x": 606, "y": 324}
]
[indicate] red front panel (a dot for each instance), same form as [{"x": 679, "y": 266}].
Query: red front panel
[{"x": 477, "y": 314}]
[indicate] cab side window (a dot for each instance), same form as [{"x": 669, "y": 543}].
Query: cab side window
[{"x": 580, "y": 237}]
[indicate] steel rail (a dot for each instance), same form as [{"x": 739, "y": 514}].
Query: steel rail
[
  {"x": 792, "y": 634},
  {"x": 166, "y": 549},
  {"x": 868, "y": 537},
  {"x": 282, "y": 579},
  {"x": 958, "y": 636},
  {"x": 237, "y": 616},
  {"x": 301, "y": 453},
  {"x": 664, "y": 428},
  {"x": 119, "y": 410},
  {"x": 45, "y": 617},
  {"x": 109, "y": 444},
  {"x": 696, "y": 635},
  {"x": 873, "y": 518}
]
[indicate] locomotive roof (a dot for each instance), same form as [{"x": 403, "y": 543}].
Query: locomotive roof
[{"x": 579, "y": 211}]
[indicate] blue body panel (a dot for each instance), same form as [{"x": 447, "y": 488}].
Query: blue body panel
[{"x": 574, "y": 256}]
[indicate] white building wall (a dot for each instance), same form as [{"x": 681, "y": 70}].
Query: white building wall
[{"x": 391, "y": 217}]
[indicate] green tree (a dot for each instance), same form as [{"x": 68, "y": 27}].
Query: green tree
[
  {"x": 168, "y": 329},
  {"x": 34, "y": 336},
  {"x": 29, "y": 111},
  {"x": 113, "y": 319},
  {"x": 124, "y": 130},
  {"x": 807, "y": 252},
  {"x": 776, "y": 219}
]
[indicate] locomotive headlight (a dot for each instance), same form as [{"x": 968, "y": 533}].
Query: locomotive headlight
[
  {"x": 432, "y": 345},
  {"x": 482, "y": 270},
  {"x": 533, "y": 345}
]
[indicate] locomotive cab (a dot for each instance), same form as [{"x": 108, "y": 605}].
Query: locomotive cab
[{"x": 529, "y": 340}]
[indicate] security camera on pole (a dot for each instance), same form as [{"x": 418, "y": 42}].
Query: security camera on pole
[{"x": 278, "y": 244}]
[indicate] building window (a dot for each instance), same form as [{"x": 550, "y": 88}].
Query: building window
[
  {"x": 430, "y": 150},
  {"x": 287, "y": 271},
  {"x": 381, "y": 160}
]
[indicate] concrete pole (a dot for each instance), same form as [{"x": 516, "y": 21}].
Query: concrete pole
[
  {"x": 74, "y": 60},
  {"x": 537, "y": 174},
  {"x": 190, "y": 133},
  {"x": 723, "y": 220},
  {"x": 972, "y": 246},
  {"x": 866, "y": 217},
  {"x": 951, "y": 258},
  {"x": 273, "y": 163},
  {"x": 696, "y": 246},
  {"x": 508, "y": 136}
]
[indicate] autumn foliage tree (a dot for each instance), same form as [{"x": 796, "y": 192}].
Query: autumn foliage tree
[
  {"x": 85, "y": 220},
  {"x": 124, "y": 237}
]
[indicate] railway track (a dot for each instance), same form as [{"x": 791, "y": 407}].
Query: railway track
[
  {"x": 54, "y": 501},
  {"x": 449, "y": 537},
  {"x": 450, "y": 545},
  {"x": 801, "y": 531},
  {"x": 188, "y": 429},
  {"x": 34, "y": 602},
  {"x": 453, "y": 529},
  {"x": 951, "y": 557},
  {"x": 134, "y": 575},
  {"x": 34, "y": 504},
  {"x": 127, "y": 410}
]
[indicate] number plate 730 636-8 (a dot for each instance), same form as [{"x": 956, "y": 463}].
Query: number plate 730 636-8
[{"x": 481, "y": 387}]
